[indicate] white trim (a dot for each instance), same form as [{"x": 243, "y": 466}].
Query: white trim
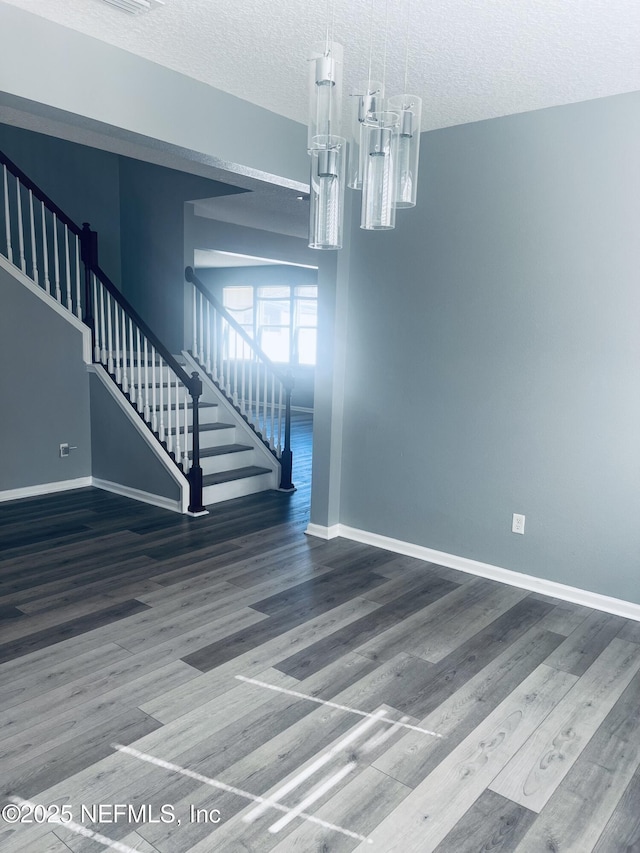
[
  {"x": 45, "y": 489},
  {"x": 138, "y": 495},
  {"x": 586, "y": 598},
  {"x": 322, "y": 532},
  {"x": 152, "y": 443},
  {"x": 304, "y": 409},
  {"x": 52, "y": 303}
]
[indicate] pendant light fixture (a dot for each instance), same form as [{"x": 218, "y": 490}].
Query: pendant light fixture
[
  {"x": 382, "y": 154},
  {"x": 326, "y": 147}
]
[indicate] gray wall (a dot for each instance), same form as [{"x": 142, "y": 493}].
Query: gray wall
[
  {"x": 83, "y": 181},
  {"x": 152, "y": 212},
  {"x": 44, "y": 390},
  {"x": 111, "y": 431},
  {"x": 493, "y": 350}
]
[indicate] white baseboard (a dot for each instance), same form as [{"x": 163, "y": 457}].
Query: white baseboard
[
  {"x": 45, "y": 489},
  {"x": 575, "y": 595},
  {"x": 137, "y": 495},
  {"x": 323, "y": 532}
]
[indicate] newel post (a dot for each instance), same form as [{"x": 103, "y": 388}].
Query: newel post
[
  {"x": 286, "y": 458},
  {"x": 195, "y": 472},
  {"x": 89, "y": 255}
]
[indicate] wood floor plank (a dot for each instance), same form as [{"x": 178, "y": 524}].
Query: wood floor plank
[
  {"x": 21, "y": 689},
  {"x": 414, "y": 756},
  {"x": 586, "y": 642},
  {"x": 630, "y": 631},
  {"x": 434, "y": 634},
  {"x": 580, "y": 808},
  {"x": 434, "y": 683},
  {"x": 493, "y": 823},
  {"x": 72, "y": 628},
  {"x": 565, "y": 618},
  {"x": 432, "y": 810},
  {"x": 49, "y": 733},
  {"x": 172, "y": 703},
  {"x": 622, "y": 833},
  {"x": 534, "y": 773},
  {"x": 353, "y": 636},
  {"x": 28, "y": 778}
]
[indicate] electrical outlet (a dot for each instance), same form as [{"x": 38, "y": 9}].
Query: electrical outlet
[
  {"x": 64, "y": 451},
  {"x": 517, "y": 525}
]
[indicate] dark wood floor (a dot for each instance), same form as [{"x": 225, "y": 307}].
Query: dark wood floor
[{"x": 511, "y": 721}]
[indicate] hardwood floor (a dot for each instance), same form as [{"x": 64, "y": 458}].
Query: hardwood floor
[{"x": 276, "y": 692}]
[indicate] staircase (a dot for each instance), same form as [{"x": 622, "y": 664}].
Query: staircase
[{"x": 220, "y": 410}]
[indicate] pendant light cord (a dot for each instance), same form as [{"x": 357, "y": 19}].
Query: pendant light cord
[
  {"x": 406, "y": 50},
  {"x": 370, "y": 44},
  {"x": 386, "y": 33}
]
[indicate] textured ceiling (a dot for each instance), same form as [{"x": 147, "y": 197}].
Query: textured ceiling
[{"x": 468, "y": 59}]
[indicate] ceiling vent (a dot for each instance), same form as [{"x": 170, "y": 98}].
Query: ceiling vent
[{"x": 136, "y": 6}]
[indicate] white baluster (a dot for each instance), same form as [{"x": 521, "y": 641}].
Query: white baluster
[
  {"x": 23, "y": 263},
  {"x": 201, "y": 312},
  {"x": 194, "y": 348},
  {"x": 147, "y": 416},
  {"x": 132, "y": 369},
  {"x": 177, "y": 420},
  {"x": 185, "y": 451},
  {"x": 258, "y": 396},
  {"x": 96, "y": 324},
  {"x": 243, "y": 387},
  {"x": 250, "y": 401},
  {"x": 78, "y": 290},
  {"x": 110, "y": 303},
  {"x": 103, "y": 333},
  {"x": 56, "y": 259},
  {"x": 161, "y": 432},
  {"x": 7, "y": 218},
  {"x": 265, "y": 414},
  {"x": 140, "y": 403},
  {"x": 208, "y": 336},
  {"x": 116, "y": 327},
  {"x": 235, "y": 368},
  {"x": 214, "y": 366},
  {"x": 45, "y": 250},
  {"x": 125, "y": 372},
  {"x": 68, "y": 270},
  {"x": 279, "y": 446},
  {"x": 154, "y": 416},
  {"x": 169, "y": 421},
  {"x": 273, "y": 403},
  {"x": 34, "y": 257}
]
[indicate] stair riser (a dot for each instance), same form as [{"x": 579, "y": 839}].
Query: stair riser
[
  {"x": 208, "y": 415},
  {"x": 237, "y": 488},
  {"x": 217, "y": 437},
  {"x": 227, "y": 461}
]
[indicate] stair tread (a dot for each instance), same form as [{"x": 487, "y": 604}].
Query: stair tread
[
  {"x": 224, "y": 448},
  {"x": 206, "y": 427},
  {"x": 237, "y": 474},
  {"x": 190, "y": 406}
]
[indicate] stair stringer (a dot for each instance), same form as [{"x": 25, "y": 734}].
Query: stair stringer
[{"x": 212, "y": 394}]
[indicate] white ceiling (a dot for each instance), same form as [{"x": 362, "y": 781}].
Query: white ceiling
[{"x": 468, "y": 59}]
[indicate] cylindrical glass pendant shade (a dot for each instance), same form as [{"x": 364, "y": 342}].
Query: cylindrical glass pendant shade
[
  {"x": 325, "y": 90},
  {"x": 409, "y": 110},
  {"x": 366, "y": 99},
  {"x": 380, "y": 142},
  {"x": 326, "y": 217}
]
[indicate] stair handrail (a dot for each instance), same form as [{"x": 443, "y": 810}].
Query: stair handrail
[
  {"x": 283, "y": 453},
  {"x": 40, "y": 194}
]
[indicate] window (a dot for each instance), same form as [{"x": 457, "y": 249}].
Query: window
[{"x": 282, "y": 319}]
